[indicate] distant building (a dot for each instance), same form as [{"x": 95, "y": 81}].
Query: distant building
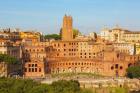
[
  {"x": 10, "y": 34},
  {"x": 128, "y": 48},
  {"x": 30, "y": 36},
  {"x": 120, "y": 35},
  {"x": 7, "y": 47},
  {"x": 93, "y": 35},
  {"x": 137, "y": 48}
]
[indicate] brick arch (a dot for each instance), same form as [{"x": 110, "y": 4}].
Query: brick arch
[{"x": 130, "y": 64}]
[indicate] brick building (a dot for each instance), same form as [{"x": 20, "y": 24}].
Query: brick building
[
  {"x": 70, "y": 55},
  {"x": 90, "y": 56},
  {"x": 34, "y": 59}
]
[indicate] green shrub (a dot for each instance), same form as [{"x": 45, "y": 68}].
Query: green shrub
[{"x": 133, "y": 72}]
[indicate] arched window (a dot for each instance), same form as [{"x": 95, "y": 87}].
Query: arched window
[
  {"x": 121, "y": 67},
  {"x": 129, "y": 64},
  {"x": 112, "y": 67}
]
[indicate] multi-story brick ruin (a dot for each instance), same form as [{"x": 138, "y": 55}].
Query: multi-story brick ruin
[
  {"x": 71, "y": 55},
  {"x": 108, "y": 54}
]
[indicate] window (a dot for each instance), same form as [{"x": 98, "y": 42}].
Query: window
[
  {"x": 34, "y": 50},
  {"x": 29, "y": 65},
  {"x": 90, "y": 63},
  {"x": 29, "y": 69},
  {"x": 64, "y": 45},
  {"x": 32, "y": 69},
  {"x": 112, "y": 68},
  {"x": 25, "y": 69},
  {"x": 116, "y": 66},
  {"x": 35, "y": 65},
  {"x": 32, "y": 65},
  {"x": 117, "y": 55},
  {"x": 55, "y": 45},
  {"x": 64, "y": 54},
  {"x": 39, "y": 69},
  {"x": 35, "y": 69},
  {"x": 121, "y": 67}
]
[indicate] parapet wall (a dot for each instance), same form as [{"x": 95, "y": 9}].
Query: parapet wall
[{"x": 131, "y": 84}]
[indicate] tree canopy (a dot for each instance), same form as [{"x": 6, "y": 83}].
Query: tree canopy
[
  {"x": 64, "y": 86},
  {"x": 133, "y": 71},
  {"x": 8, "y": 59},
  {"x": 52, "y": 36},
  {"x": 76, "y": 32},
  {"x": 10, "y": 85}
]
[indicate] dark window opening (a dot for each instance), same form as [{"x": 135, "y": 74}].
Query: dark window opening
[
  {"x": 25, "y": 69},
  {"x": 116, "y": 66},
  {"x": 35, "y": 69},
  {"x": 112, "y": 68},
  {"x": 39, "y": 69},
  {"x": 121, "y": 67}
]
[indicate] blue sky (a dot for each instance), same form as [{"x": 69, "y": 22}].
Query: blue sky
[{"x": 88, "y": 15}]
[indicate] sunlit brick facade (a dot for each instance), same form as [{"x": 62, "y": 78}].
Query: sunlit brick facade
[
  {"x": 35, "y": 60},
  {"x": 67, "y": 28},
  {"x": 105, "y": 55}
]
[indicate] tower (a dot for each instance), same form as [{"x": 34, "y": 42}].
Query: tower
[{"x": 67, "y": 29}]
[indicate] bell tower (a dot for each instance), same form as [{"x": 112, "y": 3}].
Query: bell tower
[{"x": 67, "y": 29}]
